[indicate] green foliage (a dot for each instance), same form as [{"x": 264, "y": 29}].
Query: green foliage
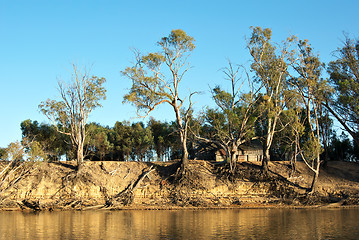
[
  {"x": 164, "y": 138},
  {"x": 97, "y": 143},
  {"x": 132, "y": 141},
  {"x": 142, "y": 141},
  {"x": 150, "y": 85},
  {"x": 179, "y": 40},
  {"x": 310, "y": 150},
  {"x": 269, "y": 63},
  {"x": 36, "y": 152},
  {"x": 122, "y": 140},
  {"x": 309, "y": 69}
]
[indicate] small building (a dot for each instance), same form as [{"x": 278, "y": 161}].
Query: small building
[
  {"x": 252, "y": 151},
  {"x": 209, "y": 151}
]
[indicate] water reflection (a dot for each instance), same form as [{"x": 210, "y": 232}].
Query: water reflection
[{"x": 208, "y": 224}]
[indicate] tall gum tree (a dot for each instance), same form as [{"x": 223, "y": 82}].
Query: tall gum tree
[
  {"x": 78, "y": 99},
  {"x": 152, "y": 85},
  {"x": 312, "y": 90},
  {"x": 270, "y": 65}
]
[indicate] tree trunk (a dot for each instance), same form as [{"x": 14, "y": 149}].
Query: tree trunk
[
  {"x": 270, "y": 133},
  {"x": 233, "y": 161},
  {"x": 185, "y": 161},
  {"x": 265, "y": 161},
  {"x": 80, "y": 155},
  {"x": 315, "y": 177},
  {"x": 183, "y": 137},
  {"x": 185, "y": 155},
  {"x": 233, "y": 156},
  {"x": 314, "y": 181}
]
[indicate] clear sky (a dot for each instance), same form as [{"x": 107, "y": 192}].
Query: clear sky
[{"x": 40, "y": 39}]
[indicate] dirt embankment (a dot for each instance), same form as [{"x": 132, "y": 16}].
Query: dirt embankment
[{"x": 123, "y": 185}]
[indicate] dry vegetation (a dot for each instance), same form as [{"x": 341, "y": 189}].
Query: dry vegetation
[{"x": 119, "y": 185}]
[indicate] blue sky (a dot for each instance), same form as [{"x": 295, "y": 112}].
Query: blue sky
[{"x": 40, "y": 39}]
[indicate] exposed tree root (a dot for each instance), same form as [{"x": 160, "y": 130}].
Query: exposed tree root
[{"x": 126, "y": 197}]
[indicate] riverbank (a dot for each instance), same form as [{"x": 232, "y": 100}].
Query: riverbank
[{"x": 41, "y": 186}]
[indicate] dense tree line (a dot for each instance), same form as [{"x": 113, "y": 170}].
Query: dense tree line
[
  {"x": 125, "y": 141},
  {"x": 282, "y": 100}
]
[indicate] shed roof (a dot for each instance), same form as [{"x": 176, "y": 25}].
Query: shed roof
[{"x": 251, "y": 146}]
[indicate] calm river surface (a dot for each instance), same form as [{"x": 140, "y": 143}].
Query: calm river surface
[{"x": 183, "y": 224}]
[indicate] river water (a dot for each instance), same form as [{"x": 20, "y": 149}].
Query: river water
[{"x": 183, "y": 224}]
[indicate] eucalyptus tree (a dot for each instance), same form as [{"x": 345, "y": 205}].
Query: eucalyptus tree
[
  {"x": 232, "y": 121},
  {"x": 78, "y": 99},
  {"x": 344, "y": 76},
  {"x": 153, "y": 86},
  {"x": 312, "y": 90},
  {"x": 270, "y": 65}
]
